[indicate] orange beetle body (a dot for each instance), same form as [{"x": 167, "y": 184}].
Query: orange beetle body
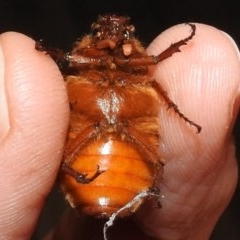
[
  {"x": 112, "y": 149},
  {"x": 125, "y": 174}
]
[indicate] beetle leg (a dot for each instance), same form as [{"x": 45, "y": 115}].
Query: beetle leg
[
  {"x": 59, "y": 56},
  {"x": 139, "y": 140},
  {"x": 175, "y": 47},
  {"x": 80, "y": 177},
  {"x": 171, "y": 104},
  {"x": 79, "y": 142},
  {"x": 74, "y": 146},
  {"x": 152, "y": 60}
]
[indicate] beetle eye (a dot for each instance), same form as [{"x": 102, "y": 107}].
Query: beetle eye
[
  {"x": 126, "y": 34},
  {"x": 129, "y": 32},
  {"x": 95, "y": 28},
  {"x": 131, "y": 29}
]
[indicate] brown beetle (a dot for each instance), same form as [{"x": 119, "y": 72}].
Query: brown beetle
[{"x": 112, "y": 150}]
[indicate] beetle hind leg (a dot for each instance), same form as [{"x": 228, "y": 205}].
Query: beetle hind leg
[
  {"x": 80, "y": 177},
  {"x": 86, "y": 136}
]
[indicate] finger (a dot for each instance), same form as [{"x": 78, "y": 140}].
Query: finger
[
  {"x": 205, "y": 88},
  {"x": 34, "y": 119}
]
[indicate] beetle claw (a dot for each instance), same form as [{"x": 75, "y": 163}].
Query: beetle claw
[{"x": 82, "y": 178}]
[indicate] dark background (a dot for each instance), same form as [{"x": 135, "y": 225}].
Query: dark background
[{"x": 60, "y": 22}]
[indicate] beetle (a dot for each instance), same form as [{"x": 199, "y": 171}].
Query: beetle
[{"x": 112, "y": 151}]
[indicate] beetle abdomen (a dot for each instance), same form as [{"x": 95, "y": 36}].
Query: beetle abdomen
[{"x": 125, "y": 175}]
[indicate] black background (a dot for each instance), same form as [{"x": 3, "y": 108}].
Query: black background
[{"x": 60, "y": 22}]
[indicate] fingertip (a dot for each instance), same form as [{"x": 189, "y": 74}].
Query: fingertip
[{"x": 203, "y": 79}]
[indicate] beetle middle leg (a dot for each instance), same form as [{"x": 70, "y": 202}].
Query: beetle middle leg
[{"x": 171, "y": 104}]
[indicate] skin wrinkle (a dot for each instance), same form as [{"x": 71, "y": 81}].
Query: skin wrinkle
[
  {"x": 4, "y": 122},
  {"x": 195, "y": 180},
  {"x": 25, "y": 190}
]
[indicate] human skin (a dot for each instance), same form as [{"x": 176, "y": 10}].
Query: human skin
[{"x": 200, "y": 172}]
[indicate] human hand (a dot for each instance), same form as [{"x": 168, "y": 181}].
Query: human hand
[{"x": 200, "y": 172}]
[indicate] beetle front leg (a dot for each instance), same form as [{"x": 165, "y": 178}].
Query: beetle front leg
[
  {"x": 175, "y": 47},
  {"x": 59, "y": 56},
  {"x": 152, "y": 59}
]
